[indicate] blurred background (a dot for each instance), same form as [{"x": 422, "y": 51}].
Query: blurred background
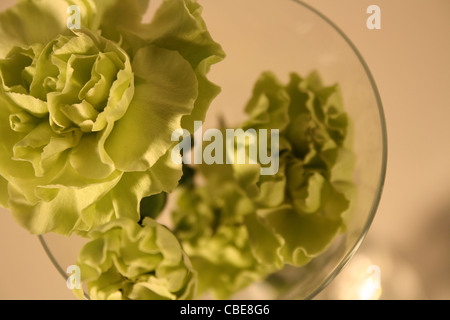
[{"x": 408, "y": 245}]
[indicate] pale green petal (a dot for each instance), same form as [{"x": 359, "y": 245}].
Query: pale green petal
[
  {"x": 28, "y": 103},
  {"x": 39, "y": 220},
  {"x": 168, "y": 244},
  {"x": 115, "y": 16},
  {"x": 58, "y": 120},
  {"x": 131, "y": 263},
  {"x": 166, "y": 88},
  {"x": 187, "y": 34},
  {"x": 86, "y": 158},
  {"x": 305, "y": 236},
  {"x": 23, "y": 24},
  {"x": 175, "y": 275},
  {"x": 247, "y": 176},
  {"x": 16, "y": 70},
  {"x": 265, "y": 245},
  {"x": 82, "y": 114},
  {"x": 94, "y": 256},
  {"x": 23, "y": 122},
  {"x": 272, "y": 193},
  {"x": 82, "y": 44},
  {"x": 56, "y": 147},
  {"x": 103, "y": 75},
  {"x": 134, "y": 186},
  {"x": 108, "y": 286},
  {"x": 46, "y": 78},
  {"x": 307, "y": 197},
  {"x": 207, "y": 92},
  {"x": 301, "y": 98},
  {"x": 98, "y": 213},
  {"x": 335, "y": 201},
  {"x": 268, "y": 107},
  {"x": 128, "y": 192},
  {"x": 152, "y": 289},
  {"x": 120, "y": 96},
  {"x": 30, "y": 148},
  {"x": 344, "y": 166},
  {"x": 59, "y": 209}
]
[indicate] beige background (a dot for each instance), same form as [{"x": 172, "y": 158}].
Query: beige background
[{"x": 410, "y": 237}]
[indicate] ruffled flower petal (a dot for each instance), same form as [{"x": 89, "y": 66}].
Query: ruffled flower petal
[{"x": 127, "y": 261}]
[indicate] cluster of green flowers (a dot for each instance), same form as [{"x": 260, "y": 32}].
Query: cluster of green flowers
[
  {"x": 86, "y": 118},
  {"x": 239, "y": 226}
]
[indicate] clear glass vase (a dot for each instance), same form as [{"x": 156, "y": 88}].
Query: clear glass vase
[{"x": 288, "y": 36}]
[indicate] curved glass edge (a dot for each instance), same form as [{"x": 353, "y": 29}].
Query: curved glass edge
[
  {"x": 382, "y": 178},
  {"x": 376, "y": 201},
  {"x": 55, "y": 262}
]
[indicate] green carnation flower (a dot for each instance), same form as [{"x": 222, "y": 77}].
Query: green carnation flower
[
  {"x": 211, "y": 225},
  {"x": 126, "y": 261},
  {"x": 316, "y": 166},
  {"x": 86, "y": 116}
]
